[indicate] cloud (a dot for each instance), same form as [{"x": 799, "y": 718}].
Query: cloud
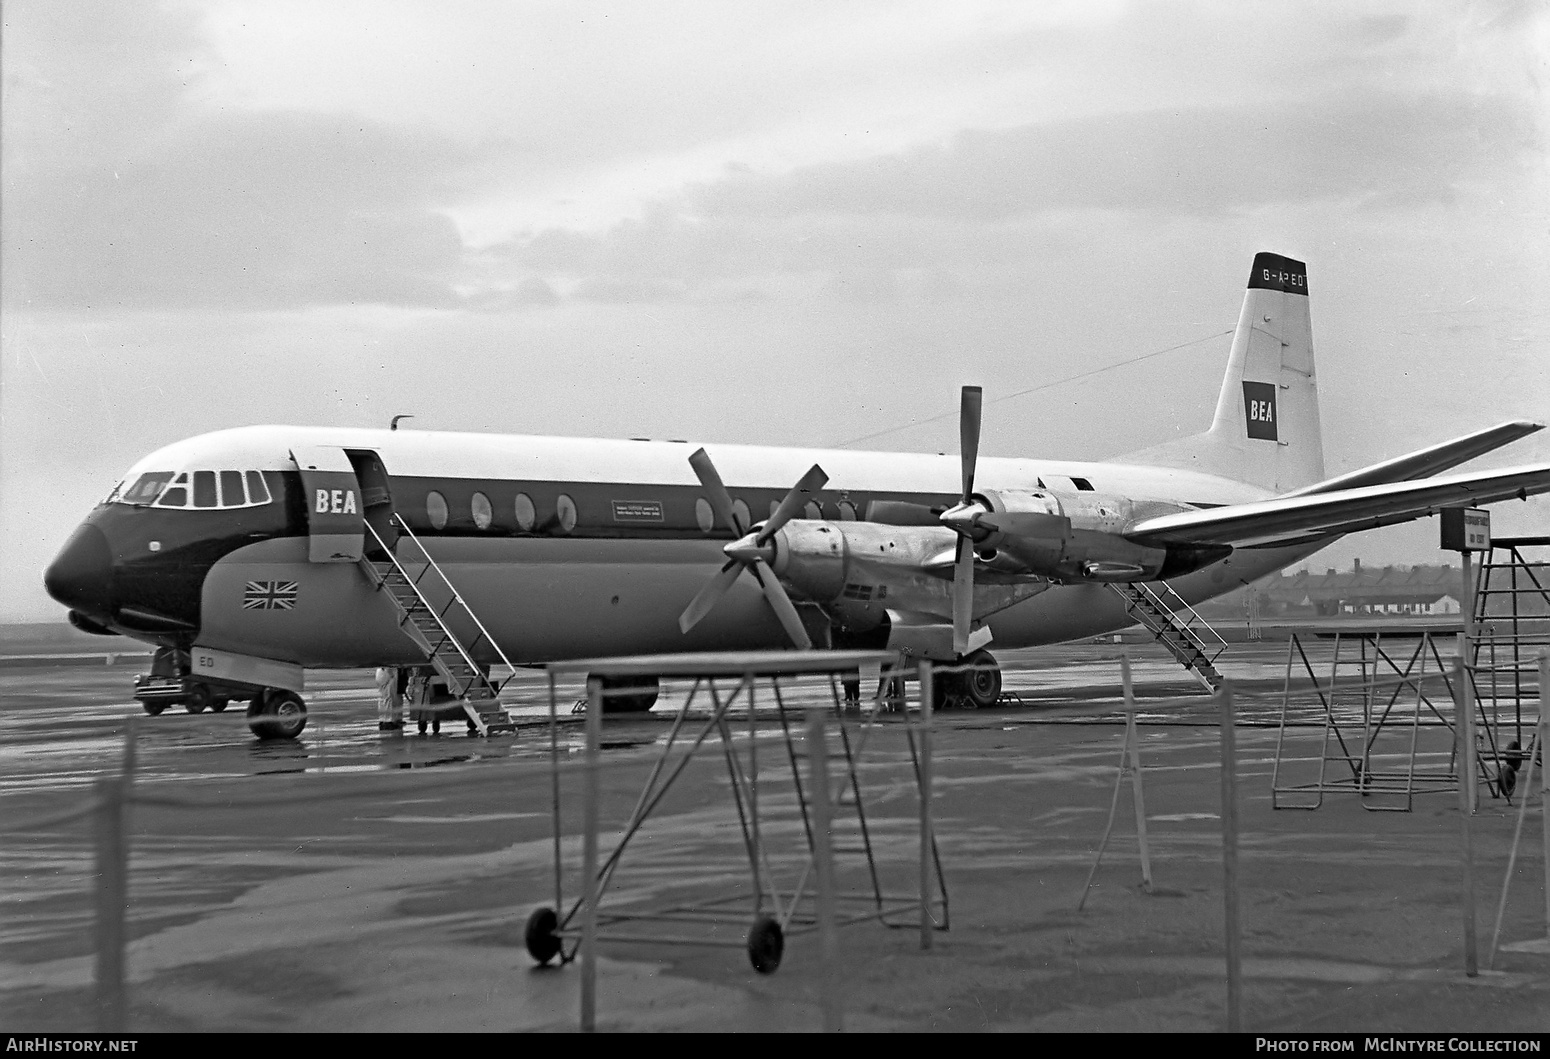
[
  {"x": 125, "y": 190},
  {"x": 1195, "y": 161}
]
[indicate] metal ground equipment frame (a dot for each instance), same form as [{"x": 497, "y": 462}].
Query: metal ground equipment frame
[
  {"x": 1379, "y": 721},
  {"x": 748, "y": 709},
  {"x": 1511, "y": 629}
]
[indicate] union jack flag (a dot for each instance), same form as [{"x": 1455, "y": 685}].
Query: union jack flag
[{"x": 269, "y": 595}]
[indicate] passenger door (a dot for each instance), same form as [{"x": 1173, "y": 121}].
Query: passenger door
[{"x": 335, "y": 529}]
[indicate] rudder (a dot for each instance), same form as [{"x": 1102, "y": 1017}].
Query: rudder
[{"x": 1266, "y": 427}]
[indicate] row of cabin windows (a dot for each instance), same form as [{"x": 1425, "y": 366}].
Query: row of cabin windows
[
  {"x": 197, "y": 489},
  {"x": 564, "y": 518}
]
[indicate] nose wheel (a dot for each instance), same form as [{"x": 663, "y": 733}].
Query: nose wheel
[{"x": 277, "y": 714}]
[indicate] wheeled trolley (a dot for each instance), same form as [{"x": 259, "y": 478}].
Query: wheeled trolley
[{"x": 811, "y": 855}]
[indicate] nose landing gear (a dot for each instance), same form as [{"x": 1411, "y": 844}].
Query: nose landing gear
[{"x": 277, "y": 714}]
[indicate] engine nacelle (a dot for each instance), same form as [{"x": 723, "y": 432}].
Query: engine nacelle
[{"x": 1076, "y": 537}]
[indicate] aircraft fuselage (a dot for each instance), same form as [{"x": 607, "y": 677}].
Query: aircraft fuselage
[{"x": 565, "y": 548}]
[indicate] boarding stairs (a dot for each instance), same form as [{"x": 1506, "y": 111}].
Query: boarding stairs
[
  {"x": 1175, "y": 625},
  {"x": 427, "y": 623}
]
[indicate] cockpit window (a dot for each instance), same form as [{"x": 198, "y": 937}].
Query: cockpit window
[
  {"x": 176, "y": 494},
  {"x": 258, "y": 491},
  {"x": 146, "y": 488},
  {"x": 199, "y": 489},
  {"x": 204, "y": 488}
]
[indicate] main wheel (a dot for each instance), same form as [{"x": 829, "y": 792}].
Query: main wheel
[
  {"x": 154, "y": 708},
  {"x": 982, "y": 681},
  {"x": 277, "y": 714},
  {"x": 543, "y": 944},
  {"x": 766, "y": 944},
  {"x": 195, "y": 698},
  {"x": 219, "y": 703},
  {"x": 640, "y": 702},
  {"x": 1506, "y": 780}
]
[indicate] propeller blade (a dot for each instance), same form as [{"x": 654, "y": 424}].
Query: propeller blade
[
  {"x": 781, "y": 604},
  {"x": 969, "y": 434},
  {"x": 810, "y": 483},
  {"x": 709, "y": 596},
  {"x": 716, "y": 491},
  {"x": 963, "y": 596}
]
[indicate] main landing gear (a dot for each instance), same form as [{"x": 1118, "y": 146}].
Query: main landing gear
[
  {"x": 277, "y": 714},
  {"x": 974, "y": 683},
  {"x": 641, "y": 694}
]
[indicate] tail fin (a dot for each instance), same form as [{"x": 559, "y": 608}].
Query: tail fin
[{"x": 1266, "y": 429}]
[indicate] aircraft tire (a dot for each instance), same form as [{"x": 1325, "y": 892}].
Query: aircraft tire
[
  {"x": 637, "y": 703},
  {"x": 981, "y": 684},
  {"x": 1506, "y": 780},
  {"x": 543, "y": 944},
  {"x": 196, "y": 698},
  {"x": 277, "y": 714},
  {"x": 154, "y": 708},
  {"x": 219, "y": 703},
  {"x": 766, "y": 944}
]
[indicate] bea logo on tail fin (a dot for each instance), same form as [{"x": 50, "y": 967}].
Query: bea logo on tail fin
[{"x": 1259, "y": 410}]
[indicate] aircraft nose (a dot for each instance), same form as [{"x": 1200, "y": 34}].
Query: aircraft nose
[{"x": 81, "y": 576}]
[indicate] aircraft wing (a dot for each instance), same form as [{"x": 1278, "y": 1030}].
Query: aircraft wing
[
  {"x": 1423, "y": 463},
  {"x": 1294, "y": 518}
]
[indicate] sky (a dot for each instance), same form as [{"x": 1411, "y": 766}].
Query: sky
[{"x": 791, "y": 223}]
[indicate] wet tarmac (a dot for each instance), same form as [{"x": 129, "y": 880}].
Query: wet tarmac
[{"x": 357, "y": 880}]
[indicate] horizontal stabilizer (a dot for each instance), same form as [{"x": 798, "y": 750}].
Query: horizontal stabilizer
[
  {"x": 1294, "y": 518},
  {"x": 1426, "y": 462}
]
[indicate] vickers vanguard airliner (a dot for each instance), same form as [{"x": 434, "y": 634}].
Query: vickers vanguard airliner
[{"x": 248, "y": 555}]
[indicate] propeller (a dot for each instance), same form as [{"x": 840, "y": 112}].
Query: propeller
[
  {"x": 962, "y": 515},
  {"x": 753, "y": 550}
]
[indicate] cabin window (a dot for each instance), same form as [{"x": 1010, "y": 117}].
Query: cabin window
[
  {"x": 744, "y": 516},
  {"x": 526, "y": 515},
  {"x": 565, "y": 513},
  {"x": 483, "y": 513},
  {"x": 704, "y": 515},
  {"x": 1082, "y": 484},
  {"x": 436, "y": 509}
]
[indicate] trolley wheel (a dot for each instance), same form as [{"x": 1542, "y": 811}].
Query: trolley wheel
[
  {"x": 543, "y": 944},
  {"x": 154, "y": 708},
  {"x": 196, "y": 698},
  {"x": 766, "y": 943},
  {"x": 1506, "y": 780}
]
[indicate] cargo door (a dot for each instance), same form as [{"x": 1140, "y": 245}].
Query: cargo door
[{"x": 335, "y": 530}]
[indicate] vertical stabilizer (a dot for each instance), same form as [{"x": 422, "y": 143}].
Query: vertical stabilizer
[{"x": 1266, "y": 428}]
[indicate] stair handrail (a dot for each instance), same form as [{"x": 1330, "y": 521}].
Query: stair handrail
[
  {"x": 1194, "y": 617},
  {"x": 456, "y": 595}
]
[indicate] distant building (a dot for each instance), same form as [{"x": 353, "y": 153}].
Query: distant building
[{"x": 1388, "y": 590}]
